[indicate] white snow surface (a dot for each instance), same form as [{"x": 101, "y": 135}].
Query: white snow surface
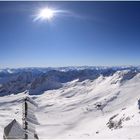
[{"x": 72, "y": 112}]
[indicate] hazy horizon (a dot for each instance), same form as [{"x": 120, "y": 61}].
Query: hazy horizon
[{"x": 69, "y": 66}]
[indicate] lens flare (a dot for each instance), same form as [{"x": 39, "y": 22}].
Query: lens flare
[{"x": 45, "y": 14}]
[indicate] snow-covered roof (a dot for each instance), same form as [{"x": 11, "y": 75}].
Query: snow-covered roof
[{"x": 14, "y": 130}]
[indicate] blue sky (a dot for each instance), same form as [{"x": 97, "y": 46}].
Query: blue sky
[{"x": 89, "y": 33}]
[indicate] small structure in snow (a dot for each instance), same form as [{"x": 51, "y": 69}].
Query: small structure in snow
[{"x": 15, "y": 131}]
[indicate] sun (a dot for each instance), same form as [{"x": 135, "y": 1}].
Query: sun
[
  {"x": 48, "y": 13},
  {"x": 45, "y": 14}
]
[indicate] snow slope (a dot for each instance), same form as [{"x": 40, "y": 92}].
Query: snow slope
[{"x": 104, "y": 108}]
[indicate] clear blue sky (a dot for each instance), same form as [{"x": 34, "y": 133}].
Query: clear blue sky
[{"x": 89, "y": 33}]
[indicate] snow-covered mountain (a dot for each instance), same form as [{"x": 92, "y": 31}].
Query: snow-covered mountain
[
  {"x": 93, "y": 102},
  {"x": 38, "y": 80}
]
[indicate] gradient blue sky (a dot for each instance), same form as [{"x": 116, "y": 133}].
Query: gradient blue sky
[{"x": 91, "y": 33}]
